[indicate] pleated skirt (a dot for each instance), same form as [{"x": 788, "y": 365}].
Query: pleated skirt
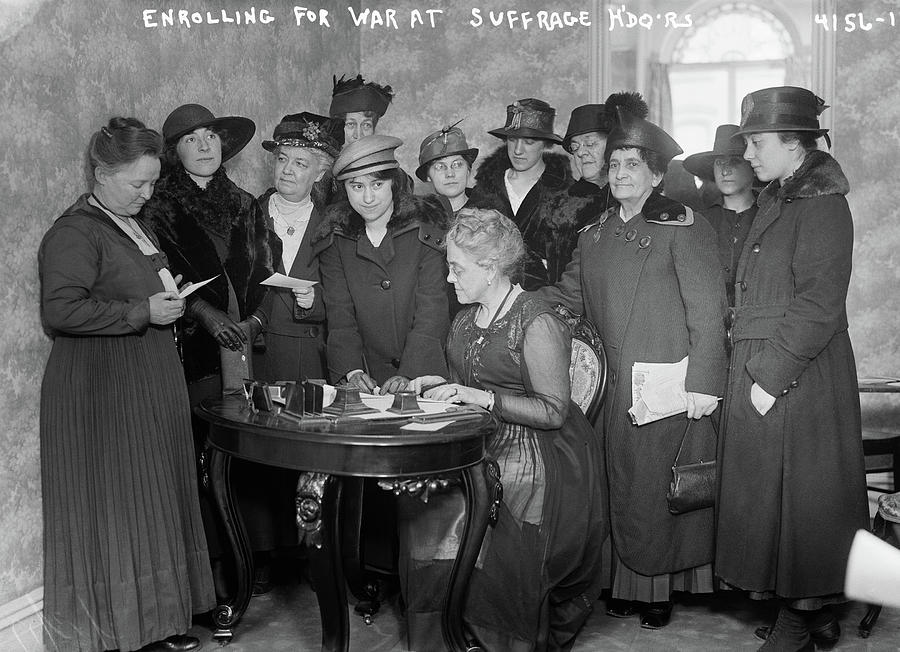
[{"x": 125, "y": 556}]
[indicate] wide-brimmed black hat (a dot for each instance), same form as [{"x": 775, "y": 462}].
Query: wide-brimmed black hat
[
  {"x": 727, "y": 143},
  {"x": 528, "y": 118},
  {"x": 446, "y": 142},
  {"x": 602, "y": 118},
  {"x": 782, "y": 108},
  {"x": 188, "y": 117},
  {"x": 633, "y": 131},
  {"x": 308, "y": 130},
  {"x": 366, "y": 155},
  {"x": 357, "y": 95}
]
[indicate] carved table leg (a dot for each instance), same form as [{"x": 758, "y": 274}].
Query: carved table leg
[
  {"x": 318, "y": 503},
  {"x": 226, "y": 616},
  {"x": 483, "y": 492}
]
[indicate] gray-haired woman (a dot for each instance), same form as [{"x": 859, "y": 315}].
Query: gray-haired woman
[{"x": 539, "y": 570}]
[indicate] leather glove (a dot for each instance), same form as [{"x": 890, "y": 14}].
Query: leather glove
[{"x": 222, "y": 327}]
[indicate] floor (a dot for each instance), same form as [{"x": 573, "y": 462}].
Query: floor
[{"x": 287, "y": 619}]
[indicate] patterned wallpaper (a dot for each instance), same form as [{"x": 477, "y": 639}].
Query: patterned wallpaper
[
  {"x": 867, "y": 92},
  {"x": 68, "y": 65}
]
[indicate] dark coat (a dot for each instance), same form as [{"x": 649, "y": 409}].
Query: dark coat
[
  {"x": 387, "y": 307},
  {"x": 731, "y": 231},
  {"x": 549, "y": 217},
  {"x": 792, "y": 482},
  {"x": 295, "y": 337},
  {"x": 655, "y": 292},
  {"x": 182, "y": 215}
]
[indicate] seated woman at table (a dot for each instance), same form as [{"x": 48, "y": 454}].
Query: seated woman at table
[
  {"x": 382, "y": 273},
  {"x": 539, "y": 567}
]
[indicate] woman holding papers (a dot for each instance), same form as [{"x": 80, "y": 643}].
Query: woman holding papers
[
  {"x": 791, "y": 469},
  {"x": 209, "y": 227},
  {"x": 383, "y": 273},
  {"x": 647, "y": 275},
  {"x": 125, "y": 559},
  {"x": 539, "y": 567},
  {"x": 304, "y": 146}
]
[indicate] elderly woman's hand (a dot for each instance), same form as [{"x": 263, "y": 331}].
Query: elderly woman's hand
[
  {"x": 304, "y": 297},
  {"x": 165, "y": 307},
  {"x": 425, "y": 383},
  {"x": 455, "y": 393},
  {"x": 700, "y": 405},
  {"x": 761, "y": 399}
]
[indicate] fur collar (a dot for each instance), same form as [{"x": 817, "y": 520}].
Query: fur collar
[
  {"x": 490, "y": 176},
  {"x": 818, "y": 175},
  {"x": 216, "y": 207},
  {"x": 342, "y": 219}
]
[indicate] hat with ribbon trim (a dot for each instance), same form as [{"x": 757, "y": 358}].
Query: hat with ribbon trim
[
  {"x": 367, "y": 155},
  {"x": 782, "y": 108},
  {"x": 528, "y": 118}
]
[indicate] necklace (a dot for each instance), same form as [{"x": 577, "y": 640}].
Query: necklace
[
  {"x": 279, "y": 213},
  {"x": 472, "y": 356},
  {"x": 128, "y": 220},
  {"x": 496, "y": 314}
]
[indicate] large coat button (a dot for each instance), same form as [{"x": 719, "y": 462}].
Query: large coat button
[
  {"x": 744, "y": 286},
  {"x": 386, "y": 284},
  {"x": 756, "y": 247}
]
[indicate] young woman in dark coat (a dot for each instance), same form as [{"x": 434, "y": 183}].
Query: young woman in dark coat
[
  {"x": 530, "y": 185},
  {"x": 383, "y": 273},
  {"x": 791, "y": 470}
]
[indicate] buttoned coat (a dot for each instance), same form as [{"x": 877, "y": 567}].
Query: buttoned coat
[
  {"x": 654, "y": 289},
  {"x": 792, "y": 482},
  {"x": 295, "y": 337},
  {"x": 387, "y": 307},
  {"x": 549, "y": 216}
]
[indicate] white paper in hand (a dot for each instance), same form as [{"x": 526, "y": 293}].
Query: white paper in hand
[
  {"x": 282, "y": 281},
  {"x": 190, "y": 289}
]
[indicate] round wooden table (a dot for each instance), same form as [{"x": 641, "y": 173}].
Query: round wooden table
[{"x": 328, "y": 451}]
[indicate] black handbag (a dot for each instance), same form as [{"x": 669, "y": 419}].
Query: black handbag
[{"x": 693, "y": 485}]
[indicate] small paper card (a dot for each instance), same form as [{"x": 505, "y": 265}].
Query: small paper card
[
  {"x": 282, "y": 281},
  {"x": 190, "y": 289}
]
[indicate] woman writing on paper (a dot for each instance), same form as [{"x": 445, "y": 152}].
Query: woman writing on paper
[
  {"x": 539, "y": 568},
  {"x": 383, "y": 273},
  {"x": 647, "y": 274}
]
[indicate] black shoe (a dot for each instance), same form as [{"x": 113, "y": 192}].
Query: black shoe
[
  {"x": 176, "y": 643},
  {"x": 618, "y": 608},
  {"x": 824, "y": 630},
  {"x": 789, "y": 634},
  {"x": 657, "y": 615}
]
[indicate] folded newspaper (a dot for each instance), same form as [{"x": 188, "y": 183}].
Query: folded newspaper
[{"x": 657, "y": 390}]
